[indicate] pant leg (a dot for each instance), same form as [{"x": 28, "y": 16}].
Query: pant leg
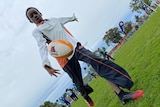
[
  {"x": 74, "y": 71},
  {"x": 105, "y": 68}
]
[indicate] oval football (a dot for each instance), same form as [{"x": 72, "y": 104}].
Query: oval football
[{"x": 60, "y": 48}]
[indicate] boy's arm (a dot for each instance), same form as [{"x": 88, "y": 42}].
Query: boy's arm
[
  {"x": 43, "y": 49},
  {"x": 65, "y": 20}
]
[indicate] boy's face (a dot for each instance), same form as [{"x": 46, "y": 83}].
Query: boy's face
[{"x": 34, "y": 16}]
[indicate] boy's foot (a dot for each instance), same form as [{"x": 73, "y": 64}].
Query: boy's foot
[
  {"x": 89, "y": 102},
  {"x": 132, "y": 96}
]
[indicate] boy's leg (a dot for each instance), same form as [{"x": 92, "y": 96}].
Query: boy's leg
[
  {"x": 114, "y": 87},
  {"x": 116, "y": 75},
  {"x": 105, "y": 68},
  {"x": 74, "y": 96},
  {"x": 126, "y": 96},
  {"x": 74, "y": 71}
]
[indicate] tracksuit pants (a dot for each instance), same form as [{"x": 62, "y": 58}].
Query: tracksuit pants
[{"x": 105, "y": 68}]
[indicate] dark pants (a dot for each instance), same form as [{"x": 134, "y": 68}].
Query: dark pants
[
  {"x": 105, "y": 68},
  {"x": 74, "y": 71}
]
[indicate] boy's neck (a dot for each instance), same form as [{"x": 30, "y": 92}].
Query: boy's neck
[{"x": 40, "y": 23}]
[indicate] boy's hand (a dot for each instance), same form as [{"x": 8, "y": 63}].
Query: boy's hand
[
  {"x": 74, "y": 17},
  {"x": 51, "y": 70}
]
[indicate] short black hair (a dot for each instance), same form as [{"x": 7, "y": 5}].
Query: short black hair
[{"x": 29, "y": 9}]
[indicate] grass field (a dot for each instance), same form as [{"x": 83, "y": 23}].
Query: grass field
[{"x": 140, "y": 56}]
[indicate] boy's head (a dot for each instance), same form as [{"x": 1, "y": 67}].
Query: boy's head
[{"x": 33, "y": 15}]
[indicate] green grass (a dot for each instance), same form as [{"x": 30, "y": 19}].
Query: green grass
[{"x": 140, "y": 56}]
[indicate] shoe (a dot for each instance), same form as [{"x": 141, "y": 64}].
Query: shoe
[
  {"x": 89, "y": 101},
  {"x": 132, "y": 96}
]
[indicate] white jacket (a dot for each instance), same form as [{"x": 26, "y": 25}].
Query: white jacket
[{"x": 54, "y": 29}]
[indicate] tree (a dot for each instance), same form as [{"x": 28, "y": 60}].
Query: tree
[
  {"x": 138, "y": 5},
  {"x": 106, "y": 39},
  {"x": 128, "y": 26},
  {"x": 112, "y": 35},
  {"x": 148, "y": 2},
  {"x": 137, "y": 18},
  {"x": 48, "y": 104}
]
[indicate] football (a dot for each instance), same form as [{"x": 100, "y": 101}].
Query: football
[{"x": 60, "y": 48}]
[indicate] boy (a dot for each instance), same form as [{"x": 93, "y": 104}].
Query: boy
[
  {"x": 71, "y": 94},
  {"x": 52, "y": 29},
  {"x": 104, "y": 54}
]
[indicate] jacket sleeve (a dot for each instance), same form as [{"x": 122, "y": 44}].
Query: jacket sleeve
[
  {"x": 64, "y": 20},
  {"x": 43, "y": 49}
]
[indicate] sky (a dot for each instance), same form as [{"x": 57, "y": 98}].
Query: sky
[{"x": 23, "y": 81}]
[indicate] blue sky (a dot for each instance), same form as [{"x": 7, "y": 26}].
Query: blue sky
[{"x": 22, "y": 77}]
